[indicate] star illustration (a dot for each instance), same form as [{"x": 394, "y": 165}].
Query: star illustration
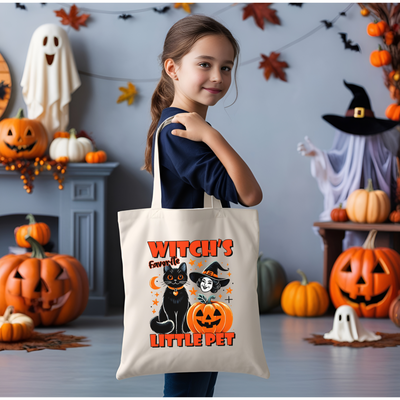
[
  {"x": 227, "y": 264},
  {"x": 229, "y": 290},
  {"x": 229, "y": 274},
  {"x": 193, "y": 291},
  {"x": 200, "y": 264},
  {"x": 156, "y": 294},
  {"x": 191, "y": 262},
  {"x": 154, "y": 311},
  {"x": 220, "y": 296},
  {"x": 155, "y": 302}
]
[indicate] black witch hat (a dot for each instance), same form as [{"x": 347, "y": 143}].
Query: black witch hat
[
  {"x": 210, "y": 272},
  {"x": 359, "y": 118}
]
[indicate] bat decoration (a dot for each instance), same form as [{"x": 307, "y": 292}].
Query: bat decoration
[
  {"x": 348, "y": 43},
  {"x": 161, "y": 10},
  {"x": 21, "y": 6},
  {"x": 125, "y": 16},
  {"x": 343, "y": 14},
  {"x": 3, "y": 88},
  {"x": 327, "y": 24},
  {"x": 296, "y": 4}
]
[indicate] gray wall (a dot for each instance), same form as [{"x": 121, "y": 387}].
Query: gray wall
[{"x": 264, "y": 125}]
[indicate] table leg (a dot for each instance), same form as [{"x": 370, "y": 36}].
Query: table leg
[{"x": 332, "y": 249}]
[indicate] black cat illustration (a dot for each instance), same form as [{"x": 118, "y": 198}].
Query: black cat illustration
[{"x": 172, "y": 315}]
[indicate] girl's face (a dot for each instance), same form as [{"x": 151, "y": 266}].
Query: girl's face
[
  {"x": 206, "y": 284},
  {"x": 204, "y": 74}
]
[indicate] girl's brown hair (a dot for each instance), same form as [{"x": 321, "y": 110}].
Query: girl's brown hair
[{"x": 178, "y": 42}]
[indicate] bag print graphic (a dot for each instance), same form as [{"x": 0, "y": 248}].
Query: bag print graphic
[
  {"x": 190, "y": 281},
  {"x": 179, "y": 321}
]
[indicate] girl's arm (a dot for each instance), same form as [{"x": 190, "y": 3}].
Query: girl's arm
[{"x": 247, "y": 187}]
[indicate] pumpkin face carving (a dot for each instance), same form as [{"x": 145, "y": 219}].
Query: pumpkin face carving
[
  {"x": 365, "y": 278},
  {"x": 209, "y": 316},
  {"x": 52, "y": 289},
  {"x": 22, "y": 137}
]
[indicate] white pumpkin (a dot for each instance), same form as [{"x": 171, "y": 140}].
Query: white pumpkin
[
  {"x": 74, "y": 148},
  {"x": 15, "y": 326}
]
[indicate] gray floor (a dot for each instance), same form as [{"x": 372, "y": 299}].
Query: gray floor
[{"x": 298, "y": 369}]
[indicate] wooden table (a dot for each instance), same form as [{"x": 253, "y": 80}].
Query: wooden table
[{"x": 333, "y": 233}]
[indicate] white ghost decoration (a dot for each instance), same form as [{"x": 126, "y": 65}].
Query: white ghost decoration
[
  {"x": 49, "y": 78},
  {"x": 347, "y": 327}
]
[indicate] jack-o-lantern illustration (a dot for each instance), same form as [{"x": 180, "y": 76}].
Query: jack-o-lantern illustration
[
  {"x": 366, "y": 278},
  {"x": 52, "y": 289},
  {"x": 209, "y": 316},
  {"x": 22, "y": 137}
]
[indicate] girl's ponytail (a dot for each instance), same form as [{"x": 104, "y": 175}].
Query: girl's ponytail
[{"x": 162, "y": 98}]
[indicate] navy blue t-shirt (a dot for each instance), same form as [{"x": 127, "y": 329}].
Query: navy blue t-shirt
[{"x": 189, "y": 168}]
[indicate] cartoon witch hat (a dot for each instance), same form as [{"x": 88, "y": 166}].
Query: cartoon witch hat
[
  {"x": 359, "y": 118},
  {"x": 210, "y": 272}
]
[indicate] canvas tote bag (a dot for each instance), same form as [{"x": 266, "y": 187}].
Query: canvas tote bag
[{"x": 190, "y": 279}]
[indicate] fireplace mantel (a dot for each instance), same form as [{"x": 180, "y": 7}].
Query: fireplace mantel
[{"x": 80, "y": 209}]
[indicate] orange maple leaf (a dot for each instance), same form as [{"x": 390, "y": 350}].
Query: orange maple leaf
[
  {"x": 272, "y": 65},
  {"x": 72, "y": 18},
  {"x": 259, "y": 11}
]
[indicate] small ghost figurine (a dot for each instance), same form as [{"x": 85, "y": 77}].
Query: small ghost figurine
[
  {"x": 348, "y": 328},
  {"x": 49, "y": 78}
]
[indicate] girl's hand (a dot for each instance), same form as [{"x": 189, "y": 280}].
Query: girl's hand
[{"x": 196, "y": 127}]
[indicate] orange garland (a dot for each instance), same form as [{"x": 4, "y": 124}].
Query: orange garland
[{"x": 29, "y": 169}]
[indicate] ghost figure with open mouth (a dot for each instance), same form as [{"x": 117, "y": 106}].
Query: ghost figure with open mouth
[
  {"x": 347, "y": 327},
  {"x": 49, "y": 78}
]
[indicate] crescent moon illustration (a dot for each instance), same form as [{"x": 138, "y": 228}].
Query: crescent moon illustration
[{"x": 152, "y": 283}]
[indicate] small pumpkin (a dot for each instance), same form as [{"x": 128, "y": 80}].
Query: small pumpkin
[
  {"x": 368, "y": 205},
  {"x": 38, "y": 230},
  {"x": 388, "y": 37},
  {"x": 304, "y": 299},
  {"x": 394, "y": 310},
  {"x": 22, "y": 137},
  {"x": 208, "y": 316},
  {"x": 271, "y": 278},
  {"x": 61, "y": 134},
  {"x": 95, "y": 157},
  {"x": 379, "y": 58},
  {"x": 393, "y": 112},
  {"x": 74, "y": 148},
  {"x": 339, "y": 214},
  {"x": 52, "y": 289},
  {"x": 366, "y": 278},
  {"x": 377, "y": 28},
  {"x": 395, "y": 215},
  {"x": 364, "y": 12},
  {"x": 15, "y": 327},
  {"x": 394, "y": 92}
]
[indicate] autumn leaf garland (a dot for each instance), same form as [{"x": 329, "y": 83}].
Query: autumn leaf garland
[
  {"x": 259, "y": 11},
  {"x": 72, "y": 18},
  {"x": 271, "y": 65}
]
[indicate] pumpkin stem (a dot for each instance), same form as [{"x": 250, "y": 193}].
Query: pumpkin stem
[
  {"x": 370, "y": 188},
  {"x": 20, "y": 113},
  {"x": 209, "y": 299},
  {"x": 7, "y": 314},
  {"x": 370, "y": 240},
  {"x": 304, "y": 281},
  {"x": 379, "y": 47},
  {"x": 37, "y": 249},
  {"x": 340, "y": 205},
  {"x": 31, "y": 219},
  {"x": 73, "y": 133}
]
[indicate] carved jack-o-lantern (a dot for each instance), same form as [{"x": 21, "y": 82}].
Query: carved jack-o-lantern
[
  {"x": 22, "y": 137},
  {"x": 209, "y": 316},
  {"x": 366, "y": 278},
  {"x": 52, "y": 289}
]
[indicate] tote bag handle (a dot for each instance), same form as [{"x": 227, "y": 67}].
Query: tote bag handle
[{"x": 209, "y": 201}]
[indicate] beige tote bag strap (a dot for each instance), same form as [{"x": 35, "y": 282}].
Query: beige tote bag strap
[{"x": 209, "y": 201}]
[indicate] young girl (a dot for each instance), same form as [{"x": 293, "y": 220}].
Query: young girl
[{"x": 197, "y": 60}]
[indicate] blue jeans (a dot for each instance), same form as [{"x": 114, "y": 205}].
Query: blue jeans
[{"x": 190, "y": 384}]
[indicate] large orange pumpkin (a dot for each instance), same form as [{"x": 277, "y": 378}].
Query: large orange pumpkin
[
  {"x": 366, "y": 278},
  {"x": 52, "y": 289},
  {"x": 38, "y": 230},
  {"x": 209, "y": 316},
  {"x": 22, "y": 137}
]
